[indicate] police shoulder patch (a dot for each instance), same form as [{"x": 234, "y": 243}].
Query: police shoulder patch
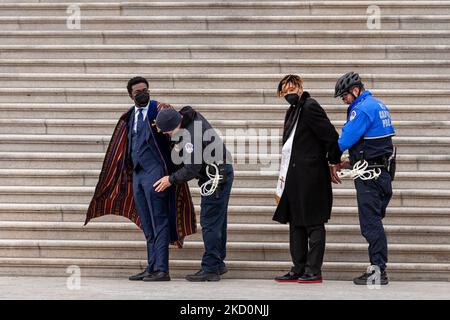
[{"x": 189, "y": 147}]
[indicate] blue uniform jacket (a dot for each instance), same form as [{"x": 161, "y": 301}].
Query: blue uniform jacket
[{"x": 369, "y": 128}]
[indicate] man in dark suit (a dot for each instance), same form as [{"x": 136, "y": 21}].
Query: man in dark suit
[
  {"x": 137, "y": 156},
  {"x": 148, "y": 167},
  {"x": 305, "y": 199}
]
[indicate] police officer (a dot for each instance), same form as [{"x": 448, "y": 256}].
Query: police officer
[
  {"x": 368, "y": 136},
  {"x": 202, "y": 155}
]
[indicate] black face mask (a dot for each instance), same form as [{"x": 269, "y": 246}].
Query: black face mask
[
  {"x": 142, "y": 99},
  {"x": 292, "y": 98}
]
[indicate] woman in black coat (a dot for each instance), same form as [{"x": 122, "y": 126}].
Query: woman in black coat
[{"x": 306, "y": 201}]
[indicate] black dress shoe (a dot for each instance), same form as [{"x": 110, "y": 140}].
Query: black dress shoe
[
  {"x": 157, "y": 276},
  {"x": 202, "y": 276},
  {"x": 289, "y": 277},
  {"x": 370, "y": 279},
  {"x": 310, "y": 278},
  {"x": 140, "y": 276}
]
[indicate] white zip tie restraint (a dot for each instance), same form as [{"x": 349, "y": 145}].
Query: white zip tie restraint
[
  {"x": 360, "y": 171},
  {"x": 210, "y": 186}
]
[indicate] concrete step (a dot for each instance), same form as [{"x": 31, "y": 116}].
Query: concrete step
[
  {"x": 246, "y": 233},
  {"x": 239, "y": 196},
  {"x": 194, "y": 96},
  {"x": 214, "y": 111},
  {"x": 373, "y": 52},
  {"x": 217, "y": 81},
  {"x": 227, "y": 37},
  {"x": 50, "y": 160},
  {"x": 403, "y": 128},
  {"x": 235, "y": 140},
  {"x": 120, "y": 1},
  {"x": 403, "y": 180},
  {"x": 189, "y": 66},
  {"x": 235, "y": 8},
  {"x": 104, "y": 127},
  {"x": 243, "y": 179},
  {"x": 33, "y": 177},
  {"x": 255, "y": 162},
  {"x": 171, "y": 1},
  {"x": 245, "y": 214},
  {"x": 238, "y": 269},
  {"x": 231, "y": 22},
  {"x": 237, "y": 251}
]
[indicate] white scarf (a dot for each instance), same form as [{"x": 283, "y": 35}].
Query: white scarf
[{"x": 285, "y": 159}]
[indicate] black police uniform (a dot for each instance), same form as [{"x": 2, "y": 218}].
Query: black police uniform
[{"x": 213, "y": 212}]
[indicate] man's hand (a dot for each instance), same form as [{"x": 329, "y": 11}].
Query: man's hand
[
  {"x": 162, "y": 184},
  {"x": 334, "y": 169},
  {"x": 345, "y": 164},
  {"x": 334, "y": 173}
]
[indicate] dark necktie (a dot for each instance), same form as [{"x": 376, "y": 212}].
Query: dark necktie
[{"x": 140, "y": 123}]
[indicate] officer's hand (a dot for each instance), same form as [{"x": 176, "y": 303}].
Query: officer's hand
[
  {"x": 162, "y": 106},
  {"x": 162, "y": 184},
  {"x": 333, "y": 172}
]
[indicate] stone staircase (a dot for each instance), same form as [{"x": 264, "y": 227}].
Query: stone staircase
[{"x": 61, "y": 92}]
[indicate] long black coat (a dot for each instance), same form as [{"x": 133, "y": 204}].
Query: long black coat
[{"x": 307, "y": 198}]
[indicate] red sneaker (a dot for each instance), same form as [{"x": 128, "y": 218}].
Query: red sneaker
[{"x": 310, "y": 278}]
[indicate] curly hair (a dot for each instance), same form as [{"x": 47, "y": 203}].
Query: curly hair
[{"x": 134, "y": 81}]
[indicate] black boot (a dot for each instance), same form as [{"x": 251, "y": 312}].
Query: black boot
[
  {"x": 370, "y": 278},
  {"x": 140, "y": 276},
  {"x": 157, "y": 276},
  {"x": 202, "y": 276},
  {"x": 223, "y": 270}
]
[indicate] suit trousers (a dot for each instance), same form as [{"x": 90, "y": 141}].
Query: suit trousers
[
  {"x": 307, "y": 246},
  {"x": 153, "y": 209}
]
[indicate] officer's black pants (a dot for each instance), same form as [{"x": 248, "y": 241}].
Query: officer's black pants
[
  {"x": 307, "y": 245},
  {"x": 373, "y": 198}
]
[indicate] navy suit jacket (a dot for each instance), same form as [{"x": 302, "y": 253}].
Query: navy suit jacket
[{"x": 161, "y": 148}]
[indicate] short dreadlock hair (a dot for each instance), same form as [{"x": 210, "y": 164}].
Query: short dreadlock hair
[{"x": 292, "y": 79}]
